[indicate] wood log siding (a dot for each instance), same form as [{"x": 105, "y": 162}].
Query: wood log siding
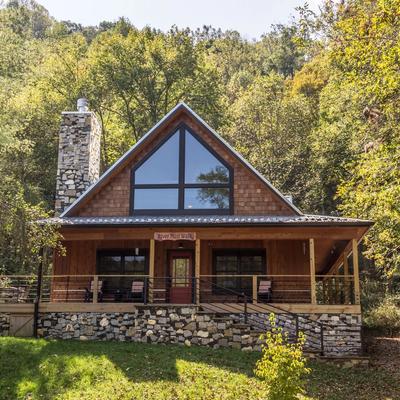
[{"x": 251, "y": 195}]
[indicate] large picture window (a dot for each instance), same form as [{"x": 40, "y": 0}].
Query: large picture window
[
  {"x": 121, "y": 262},
  {"x": 228, "y": 263},
  {"x": 183, "y": 175}
]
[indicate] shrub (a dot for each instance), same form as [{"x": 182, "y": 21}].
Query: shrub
[
  {"x": 385, "y": 316},
  {"x": 282, "y": 365}
]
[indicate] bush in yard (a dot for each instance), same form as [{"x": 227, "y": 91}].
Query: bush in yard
[
  {"x": 385, "y": 316},
  {"x": 282, "y": 365}
]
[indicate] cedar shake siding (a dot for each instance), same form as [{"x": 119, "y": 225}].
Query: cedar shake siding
[{"x": 251, "y": 195}]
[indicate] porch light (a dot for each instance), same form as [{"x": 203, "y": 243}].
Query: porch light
[
  {"x": 180, "y": 245},
  {"x": 136, "y": 251}
]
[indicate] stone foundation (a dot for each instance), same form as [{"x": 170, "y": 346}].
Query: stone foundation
[
  {"x": 184, "y": 325},
  {"x": 4, "y": 324}
]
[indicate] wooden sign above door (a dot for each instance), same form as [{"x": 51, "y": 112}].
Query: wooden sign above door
[{"x": 160, "y": 236}]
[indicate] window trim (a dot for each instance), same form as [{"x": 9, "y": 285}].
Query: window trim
[
  {"x": 238, "y": 252},
  {"x": 181, "y": 185}
]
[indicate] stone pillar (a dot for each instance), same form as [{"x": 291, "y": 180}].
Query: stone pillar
[{"x": 78, "y": 155}]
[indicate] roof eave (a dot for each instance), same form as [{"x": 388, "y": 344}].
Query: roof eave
[{"x": 366, "y": 224}]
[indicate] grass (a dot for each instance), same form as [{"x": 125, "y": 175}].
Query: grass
[{"x": 41, "y": 369}]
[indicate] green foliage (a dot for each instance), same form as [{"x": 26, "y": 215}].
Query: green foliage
[
  {"x": 385, "y": 316},
  {"x": 271, "y": 129},
  {"x": 314, "y": 104},
  {"x": 282, "y": 365},
  {"x": 374, "y": 192},
  {"x": 20, "y": 236}
]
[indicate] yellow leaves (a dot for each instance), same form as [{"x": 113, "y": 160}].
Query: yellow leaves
[{"x": 282, "y": 365}]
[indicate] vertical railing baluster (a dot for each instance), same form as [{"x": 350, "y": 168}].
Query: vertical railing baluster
[
  {"x": 95, "y": 288},
  {"x": 321, "y": 326},
  {"x": 145, "y": 289},
  {"x": 245, "y": 308},
  {"x": 194, "y": 292}
]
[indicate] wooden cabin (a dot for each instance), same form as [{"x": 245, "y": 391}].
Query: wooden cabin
[{"x": 182, "y": 218}]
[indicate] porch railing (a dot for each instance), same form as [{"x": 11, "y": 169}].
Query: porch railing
[
  {"x": 236, "y": 295},
  {"x": 330, "y": 289}
]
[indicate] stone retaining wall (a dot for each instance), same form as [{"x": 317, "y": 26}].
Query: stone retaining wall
[
  {"x": 184, "y": 325},
  {"x": 4, "y": 324}
]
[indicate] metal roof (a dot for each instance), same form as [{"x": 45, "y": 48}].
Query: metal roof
[
  {"x": 153, "y": 129},
  {"x": 206, "y": 220}
]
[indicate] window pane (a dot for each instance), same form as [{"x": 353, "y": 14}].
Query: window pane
[
  {"x": 110, "y": 264},
  {"x": 216, "y": 198},
  {"x": 251, "y": 265},
  {"x": 201, "y": 166},
  {"x": 135, "y": 265},
  {"x": 162, "y": 166},
  {"x": 156, "y": 199},
  {"x": 226, "y": 265},
  {"x": 180, "y": 272}
]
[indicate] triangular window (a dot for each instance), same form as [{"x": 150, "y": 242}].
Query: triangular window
[
  {"x": 182, "y": 176},
  {"x": 162, "y": 166},
  {"x": 200, "y": 165}
]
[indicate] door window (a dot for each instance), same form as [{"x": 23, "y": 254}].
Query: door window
[{"x": 180, "y": 272}]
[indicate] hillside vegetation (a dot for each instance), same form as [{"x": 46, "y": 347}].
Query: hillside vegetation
[{"x": 314, "y": 105}]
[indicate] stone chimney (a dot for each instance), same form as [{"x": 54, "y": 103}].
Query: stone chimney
[{"x": 78, "y": 155}]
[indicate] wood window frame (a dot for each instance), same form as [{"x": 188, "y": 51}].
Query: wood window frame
[{"x": 181, "y": 185}]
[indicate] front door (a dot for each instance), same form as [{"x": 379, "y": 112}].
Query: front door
[{"x": 181, "y": 270}]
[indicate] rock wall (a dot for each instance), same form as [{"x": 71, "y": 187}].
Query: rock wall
[
  {"x": 78, "y": 156},
  {"x": 4, "y": 324},
  {"x": 184, "y": 325}
]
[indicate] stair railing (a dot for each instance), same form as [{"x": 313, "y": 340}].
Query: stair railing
[{"x": 247, "y": 303}]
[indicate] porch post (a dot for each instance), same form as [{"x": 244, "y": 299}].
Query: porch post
[
  {"x": 197, "y": 271},
  {"x": 151, "y": 270},
  {"x": 312, "y": 272},
  {"x": 346, "y": 278},
  {"x": 356, "y": 272},
  {"x": 254, "y": 288},
  {"x": 95, "y": 288}
]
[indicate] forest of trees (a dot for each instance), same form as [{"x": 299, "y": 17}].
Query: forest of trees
[{"x": 314, "y": 105}]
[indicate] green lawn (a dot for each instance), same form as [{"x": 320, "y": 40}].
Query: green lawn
[{"x": 40, "y": 369}]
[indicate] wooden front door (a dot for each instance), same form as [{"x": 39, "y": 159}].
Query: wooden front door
[{"x": 181, "y": 273}]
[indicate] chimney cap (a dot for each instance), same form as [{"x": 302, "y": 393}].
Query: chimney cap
[{"x": 82, "y": 105}]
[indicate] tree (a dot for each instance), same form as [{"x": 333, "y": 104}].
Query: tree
[{"x": 271, "y": 129}]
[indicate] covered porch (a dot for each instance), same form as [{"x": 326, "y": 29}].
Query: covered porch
[{"x": 297, "y": 269}]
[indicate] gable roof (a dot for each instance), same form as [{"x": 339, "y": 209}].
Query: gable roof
[{"x": 126, "y": 157}]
